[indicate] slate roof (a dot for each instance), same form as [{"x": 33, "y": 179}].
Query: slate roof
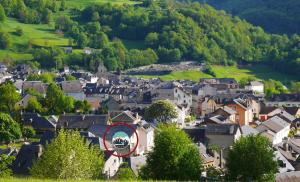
[
  {"x": 98, "y": 130},
  {"x": 224, "y": 129},
  {"x": 196, "y": 134},
  {"x": 107, "y": 89},
  {"x": 267, "y": 110},
  {"x": 256, "y": 83},
  {"x": 248, "y": 130},
  {"x": 124, "y": 116},
  {"x": 292, "y": 110},
  {"x": 285, "y": 98},
  {"x": 25, "y": 158},
  {"x": 47, "y": 137},
  {"x": 38, "y": 86},
  {"x": 286, "y": 116},
  {"x": 274, "y": 124},
  {"x": 37, "y": 122},
  {"x": 80, "y": 121},
  {"x": 218, "y": 81},
  {"x": 71, "y": 86}
]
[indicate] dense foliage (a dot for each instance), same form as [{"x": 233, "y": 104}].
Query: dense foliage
[
  {"x": 8, "y": 97},
  {"x": 174, "y": 157},
  {"x": 251, "y": 159},
  {"x": 9, "y": 129},
  {"x": 191, "y": 31},
  {"x": 161, "y": 111},
  {"x": 30, "y": 11},
  {"x": 274, "y": 16},
  {"x": 69, "y": 157},
  {"x": 5, "y": 162}
]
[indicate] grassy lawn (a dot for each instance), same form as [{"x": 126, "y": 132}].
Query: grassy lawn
[
  {"x": 36, "y": 35},
  {"x": 260, "y": 72},
  {"x": 39, "y": 180},
  {"x": 83, "y": 3}
]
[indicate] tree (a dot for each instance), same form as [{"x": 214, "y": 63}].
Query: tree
[
  {"x": 5, "y": 40},
  {"x": 295, "y": 87},
  {"x": 28, "y": 132},
  {"x": 125, "y": 173},
  {"x": 53, "y": 97},
  {"x": 34, "y": 105},
  {"x": 70, "y": 78},
  {"x": 62, "y": 5},
  {"x": 9, "y": 129},
  {"x": 81, "y": 40},
  {"x": 251, "y": 159},
  {"x": 69, "y": 157},
  {"x": 82, "y": 106},
  {"x": 19, "y": 31},
  {"x": 5, "y": 162},
  {"x": 162, "y": 111},
  {"x": 8, "y": 97},
  {"x": 2, "y": 13},
  {"x": 174, "y": 157}
]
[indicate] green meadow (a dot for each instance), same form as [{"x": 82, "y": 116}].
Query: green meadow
[{"x": 260, "y": 72}]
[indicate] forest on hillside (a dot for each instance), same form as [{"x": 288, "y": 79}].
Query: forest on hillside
[
  {"x": 275, "y": 16},
  {"x": 171, "y": 31}
]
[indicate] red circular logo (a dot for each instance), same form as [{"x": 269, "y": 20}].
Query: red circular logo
[{"x": 130, "y": 127}]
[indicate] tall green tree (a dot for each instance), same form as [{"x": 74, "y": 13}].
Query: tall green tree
[
  {"x": 5, "y": 162},
  {"x": 9, "y": 129},
  {"x": 2, "y": 13},
  {"x": 125, "y": 173},
  {"x": 162, "y": 111},
  {"x": 34, "y": 105},
  {"x": 5, "y": 40},
  {"x": 251, "y": 159},
  {"x": 54, "y": 96},
  {"x": 69, "y": 157},
  {"x": 8, "y": 97},
  {"x": 174, "y": 157}
]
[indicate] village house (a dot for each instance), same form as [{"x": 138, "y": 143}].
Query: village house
[
  {"x": 295, "y": 111},
  {"x": 124, "y": 117},
  {"x": 275, "y": 129},
  {"x": 244, "y": 111},
  {"x": 112, "y": 163},
  {"x": 220, "y": 83},
  {"x": 174, "y": 92},
  {"x": 39, "y": 123},
  {"x": 256, "y": 87},
  {"x": 267, "y": 112},
  {"x": 73, "y": 89},
  {"x": 80, "y": 122},
  {"x": 284, "y": 100},
  {"x": 204, "y": 106},
  {"x": 37, "y": 86},
  {"x": 222, "y": 115}
]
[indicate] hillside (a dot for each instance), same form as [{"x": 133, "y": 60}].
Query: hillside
[
  {"x": 126, "y": 34},
  {"x": 275, "y": 16}
]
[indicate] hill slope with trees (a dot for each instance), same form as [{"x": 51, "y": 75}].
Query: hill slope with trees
[
  {"x": 275, "y": 16},
  {"x": 171, "y": 32}
]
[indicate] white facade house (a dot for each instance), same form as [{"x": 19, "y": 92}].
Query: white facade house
[
  {"x": 112, "y": 164},
  {"x": 275, "y": 129},
  {"x": 146, "y": 138},
  {"x": 255, "y": 86}
]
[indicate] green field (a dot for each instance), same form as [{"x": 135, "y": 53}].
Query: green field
[
  {"x": 83, "y": 3},
  {"x": 39, "y": 180},
  {"x": 33, "y": 35},
  {"x": 260, "y": 72},
  {"x": 44, "y": 35}
]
